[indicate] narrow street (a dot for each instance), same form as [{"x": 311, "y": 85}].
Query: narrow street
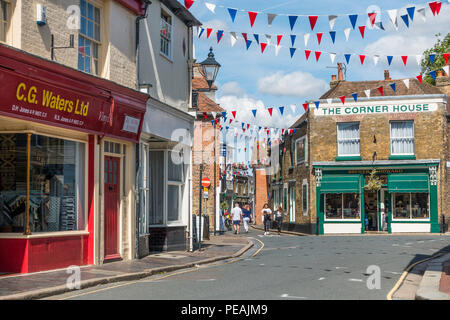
[{"x": 285, "y": 267}]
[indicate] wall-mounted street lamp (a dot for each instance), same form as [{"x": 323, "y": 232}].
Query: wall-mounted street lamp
[{"x": 210, "y": 68}]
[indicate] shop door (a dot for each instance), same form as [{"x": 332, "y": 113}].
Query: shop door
[
  {"x": 112, "y": 198},
  {"x": 371, "y": 211}
]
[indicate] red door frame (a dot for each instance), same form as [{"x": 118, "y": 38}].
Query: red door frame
[{"x": 111, "y": 207}]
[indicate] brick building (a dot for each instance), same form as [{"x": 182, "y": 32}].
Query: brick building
[{"x": 400, "y": 137}]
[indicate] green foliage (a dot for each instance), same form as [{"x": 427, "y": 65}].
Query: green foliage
[
  {"x": 373, "y": 183},
  {"x": 224, "y": 205},
  {"x": 441, "y": 46}
]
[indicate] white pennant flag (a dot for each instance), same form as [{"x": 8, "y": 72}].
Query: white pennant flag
[
  {"x": 375, "y": 59},
  {"x": 210, "y": 6},
  {"x": 270, "y": 18},
  {"x": 329, "y": 101},
  {"x": 214, "y": 114},
  {"x": 421, "y": 11},
  {"x": 419, "y": 59},
  {"x": 347, "y": 33},
  {"x": 332, "y": 56},
  {"x": 446, "y": 69},
  {"x": 293, "y": 108},
  {"x": 277, "y": 49},
  {"x": 393, "y": 16},
  {"x": 367, "y": 92},
  {"x": 406, "y": 82},
  {"x": 268, "y": 38},
  {"x": 306, "y": 37},
  {"x": 332, "y": 20},
  {"x": 233, "y": 38}
]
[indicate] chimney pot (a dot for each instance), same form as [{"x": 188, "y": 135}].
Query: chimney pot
[
  {"x": 340, "y": 73},
  {"x": 440, "y": 73},
  {"x": 386, "y": 75},
  {"x": 333, "y": 77}
]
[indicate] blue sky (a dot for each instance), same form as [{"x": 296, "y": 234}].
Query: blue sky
[{"x": 251, "y": 80}]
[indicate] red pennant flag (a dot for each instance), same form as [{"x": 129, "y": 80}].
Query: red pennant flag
[
  {"x": 342, "y": 99},
  {"x": 420, "y": 79},
  {"x": 267, "y": 132},
  {"x": 380, "y": 89},
  {"x": 205, "y": 115},
  {"x": 362, "y": 57},
  {"x": 433, "y": 7},
  {"x": 319, "y": 37},
  {"x": 243, "y": 130},
  {"x": 231, "y": 120},
  {"x": 318, "y": 53},
  {"x": 282, "y": 132},
  {"x": 307, "y": 53},
  {"x": 291, "y": 131},
  {"x": 372, "y": 17},
  {"x": 188, "y": 3},
  {"x": 252, "y": 16},
  {"x": 245, "y": 149},
  {"x": 361, "y": 30},
  {"x": 263, "y": 46},
  {"x": 405, "y": 59},
  {"x": 234, "y": 114},
  {"x": 279, "y": 37},
  {"x": 208, "y": 32},
  {"x": 446, "y": 57},
  {"x": 312, "y": 21},
  {"x": 270, "y": 111},
  {"x": 305, "y": 106},
  {"x": 248, "y": 125},
  {"x": 438, "y": 7},
  {"x": 257, "y": 146}
]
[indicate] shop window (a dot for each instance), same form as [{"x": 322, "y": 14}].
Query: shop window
[
  {"x": 57, "y": 193},
  {"x": 166, "y": 34},
  {"x": 89, "y": 38},
  {"x": 342, "y": 206},
  {"x": 348, "y": 137},
  {"x": 305, "y": 197},
  {"x": 157, "y": 181},
  {"x": 300, "y": 150},
  {"x": 402, "y": 137},
  {"x": 292, "y": 195},
  {"x": 411, "y": 205},
  {"x": 4, "y": 20}
]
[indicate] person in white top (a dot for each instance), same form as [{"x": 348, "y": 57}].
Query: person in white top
[
  {"x": 236, "y": 215},
  {"x": 266, "y": 217}
]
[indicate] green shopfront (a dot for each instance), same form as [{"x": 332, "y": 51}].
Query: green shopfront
[{"x": 407, "y": 200}]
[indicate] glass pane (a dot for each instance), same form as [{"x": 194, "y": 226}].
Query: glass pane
[
  {"x": 83, "y": 7},
  {"x": 90, "y": 29},
  {"x": 402, "y": 205},
  {"x": 419, "y": 205},
  {"x": 90, "y": 11},
  {"x": 175, "y": 171},
  {"x": 333, "y": 206},
  {"x": 156, "y": 160},
  {"x": 114, "y": 172},
  {"x": 173, "y": 199},
  {"x": 106, "y": 171},
  {"x": 83, "y": 25},
  {"x": 97, "y": 32},
  {"x": 97, "y": 15},
  {"x": 351, "y": 206},
  {"x": 305, "y": 197},
  {"x": 117, "y": 148}
]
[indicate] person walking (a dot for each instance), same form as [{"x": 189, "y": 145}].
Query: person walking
[
  {"x": 247, "y": 216},
  {"x": 266, "y": 217},
  {"x": 236, "y": 214},
  {"x": 279, "y": 215}
]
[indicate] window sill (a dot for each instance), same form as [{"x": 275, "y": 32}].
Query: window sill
[
  {"x": 166, "y": 57},
  {"x": 402, "y": 157},
  {"x": 348, "y": 158}
]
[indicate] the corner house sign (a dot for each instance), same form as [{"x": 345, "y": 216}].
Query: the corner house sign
[{"x": 329, "y": 110}]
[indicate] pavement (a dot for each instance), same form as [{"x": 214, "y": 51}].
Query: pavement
[{"x": 49, "y": 283}]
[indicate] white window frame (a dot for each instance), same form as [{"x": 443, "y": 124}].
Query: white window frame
[
  {"x": 305, "y": 138},
  {"x": 340, "y": 154},
  {"x": 144, "y": 213},
  {"x": 94, "y": 41},
  {"x": 305, "y": 183},
  {"x": 167, "y": 12},
  {"x": 292, "y": 202},
  {"x": 413, "y": 138},
  {"x": 410, "y": 209},
  {"x": 342, "y": 208},
  {"x": 8, "y": 21}
]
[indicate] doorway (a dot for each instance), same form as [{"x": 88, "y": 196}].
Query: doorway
[
  {"x": 111, "y": 204},
  {"x": 371, "y": 210}
]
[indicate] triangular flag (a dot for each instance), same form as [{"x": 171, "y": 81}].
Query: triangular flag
[
  {"x": 277, "y": 49},
  {"x": 318, "y": 53},
  {"x": 375, "y": 59},
  {"x": 342, "y": 99},
  {"x": 263, "y": 46},
  {"x": 254, "y": 112},
  {"x": 292, "y": 51},
  {"x": 405, "y": 20},
  {"x": 362, "y": 57},
  {"x": 270, "y": 18},
  {"x": 332, "y": 56},
  {"x": 361, "y": 30},
  {"x": 292, "y": 21},
  {"x": 446, "y": 55},
  {"x": 319, "y": 37},
  {"x": 249, "y": 43},
  {"x": 248, "y": 125},
  {"x": 233, "y": 38},
  {"x": 380, "y": 89},
  {"x": 422, "y": 13},
  {"x": 268, "y": 38},
  {"x": 281, "y": 110},
  {"x": 410, "y": 11},
  {"x": 405, "y": 59},
  {"x": 347, "y": 57},
  {"x": 389, "y": 59},
  {"x": 433, "y": 74},
  {"x": 419, "y": 59},
  {"x": 353, "y": 18},
  {"x": 420, "y": 78},
  {"x": 355, "y": 96},
  {"x": 431, "y": 57},
  {"x": 347, "y": 33},
  {"x": 234, "y": 114},
  {"x": 212, "y": 122},
  {"x": 201, "y": 32},
  {"x": 256, "y": 36},
  {"x": 367, "y": 92},
  {"x": 330, "y": 100},
  {"x": 208, "y": 32},
  {"x": 307, "y": 53},
  {"x": 332, "y": 20},
  {"x": 380, "y": 25},
  {"x": 306, "y": 38},
  {"x": 312, "y": 21},
  {"x": 393, "y": 16},
  {"x": 333, "y": 36},
  {"x": 317, "y": 104},
  {"x": 446, "y": 69},
  {"x": 293, "y": 37},
  {"x": 244, "y": 35},
  {"x": 219, "y": 35},
  {"x": 406, "y": 82},
  {"x": 372, "y": 17},
  {"x": 210, "y": 6},
  {"x": 279, "y": 37},
  {"x": 305, "y": 106},
  {"x": 393, "y": 86},
  {"x": 270, "y": 111},
  {"x": 433, "y": 7},
  {"x": 205, "y": 115},
  {"x": 438, "y": 7},
  {"x": 232, "y": 13},
  {"x": 214, "y": 114},
  {"x": 252, "y": 16},
  {"x": 188, "y": 3},
  {"x": 224, "y": 114}
]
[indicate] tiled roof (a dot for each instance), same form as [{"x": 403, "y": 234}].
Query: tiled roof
[
  {"x": 299, "y": 121},
  {"x": 205, "y": 104},
  {"x": 347, "y": 88}
]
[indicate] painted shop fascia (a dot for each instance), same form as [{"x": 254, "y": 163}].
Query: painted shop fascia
[{"x": 67, "y": 139}]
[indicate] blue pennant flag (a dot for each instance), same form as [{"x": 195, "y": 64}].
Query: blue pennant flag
[
  {"x": 243, "y": 124},
  {"x": 259, "y": 128},
  {"x": 433, "y": 74},
  {"x": 347, "y": 57},
  {"x": 293, "y": 36},
  {"x": 281, "y": 110},
  {"x": 249, "y": 43},
  {"x": 232, "y": 13},
  {"x": 227, "y": 128},
  {"x": 353, "y": 18},
  {"x": 221, "y": 128},
  {"x": 256, "y": 37},
  {"x": 224, "y": 114},
  {"x": 411, "y": 12},
  {"x": 389, "y": 59},
  {"x": 405, "y": 20},
  {"x": 432, "y": 56},
  {"x": 292, "y": 50},
  {"x": 355, "y": 96},
  {"x": 380, "y": 25},
  {"x": 254, "y": 112},
  {"x": 393, "y": 86},
  {"x": 333, "y": 35},
  {"x": 317, "y": 104},
  {"x": 212, "y": 122},
  {"x": 219, "y": 35},
  {"x": 201, "y": 32},
  {"x": 295, "y": 130},
  {"x": 292, "y": 21}
]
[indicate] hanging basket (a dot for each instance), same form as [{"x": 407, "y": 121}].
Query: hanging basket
[{"x": 373, "y": 183}]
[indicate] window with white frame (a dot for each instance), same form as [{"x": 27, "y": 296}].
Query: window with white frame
[
  {"x": 348, "y": 138},
  {"x": 305, "y": 197},
  {"x": 292, "y": 196},
  {"x": 175, "y": 185},
  {"x": 410, "y": 205},
  {"x": 301, "y": 152},
  {"x": 157, "y": 182},
  {"x": 166, "y": 34},
  {"x": 144, "y": 176},
  {"x": 89, "y": 38},
  {"x": 4, "y": 19},
  {"x": 402, "y": 138}
]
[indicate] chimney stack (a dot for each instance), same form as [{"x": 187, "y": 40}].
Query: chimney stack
[
  {"x": 340, "y": 73},
  {"x": 443, "y": 82},
  {"x": 386, "y": 75},
  {"x": 333, "y": 77}
]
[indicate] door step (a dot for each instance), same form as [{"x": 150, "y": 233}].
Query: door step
[{"x": 375, "y": 232}]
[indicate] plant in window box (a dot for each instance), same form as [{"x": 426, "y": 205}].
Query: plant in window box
[{"x": 373, "y": 183}]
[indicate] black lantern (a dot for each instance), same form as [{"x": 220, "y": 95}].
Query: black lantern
[{"x": 210, "y": 67}]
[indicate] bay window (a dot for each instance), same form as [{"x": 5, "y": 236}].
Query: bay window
[
  {"x": 402, "y": 138},
  {"x": 348, "y": 138}
]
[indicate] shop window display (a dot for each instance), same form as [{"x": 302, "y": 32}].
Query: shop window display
[
  {"x": 410, "y": 205},
  {"x": 342, "y": 206}
]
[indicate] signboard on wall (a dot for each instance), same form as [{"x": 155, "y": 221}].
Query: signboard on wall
[{"x": 363, "y": 109}]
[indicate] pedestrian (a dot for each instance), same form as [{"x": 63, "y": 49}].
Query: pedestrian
[
  {"x": 236, "y": 214},
  {"x": 279, "y": 215},
  {"x": 266, "y": 217},
  {"x": 247, "y": 216}
]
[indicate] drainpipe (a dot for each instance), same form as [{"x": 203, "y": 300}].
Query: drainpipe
[{"x": 138, "y": 20}]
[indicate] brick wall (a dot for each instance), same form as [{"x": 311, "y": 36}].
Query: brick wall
[{"x": 261, "y": 189}]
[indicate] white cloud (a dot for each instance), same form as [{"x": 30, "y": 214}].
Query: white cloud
[
  {"x": 296, "y": 84},
  {"x": 216, "y": 24},
  {"x": 231, "y": 88}
]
